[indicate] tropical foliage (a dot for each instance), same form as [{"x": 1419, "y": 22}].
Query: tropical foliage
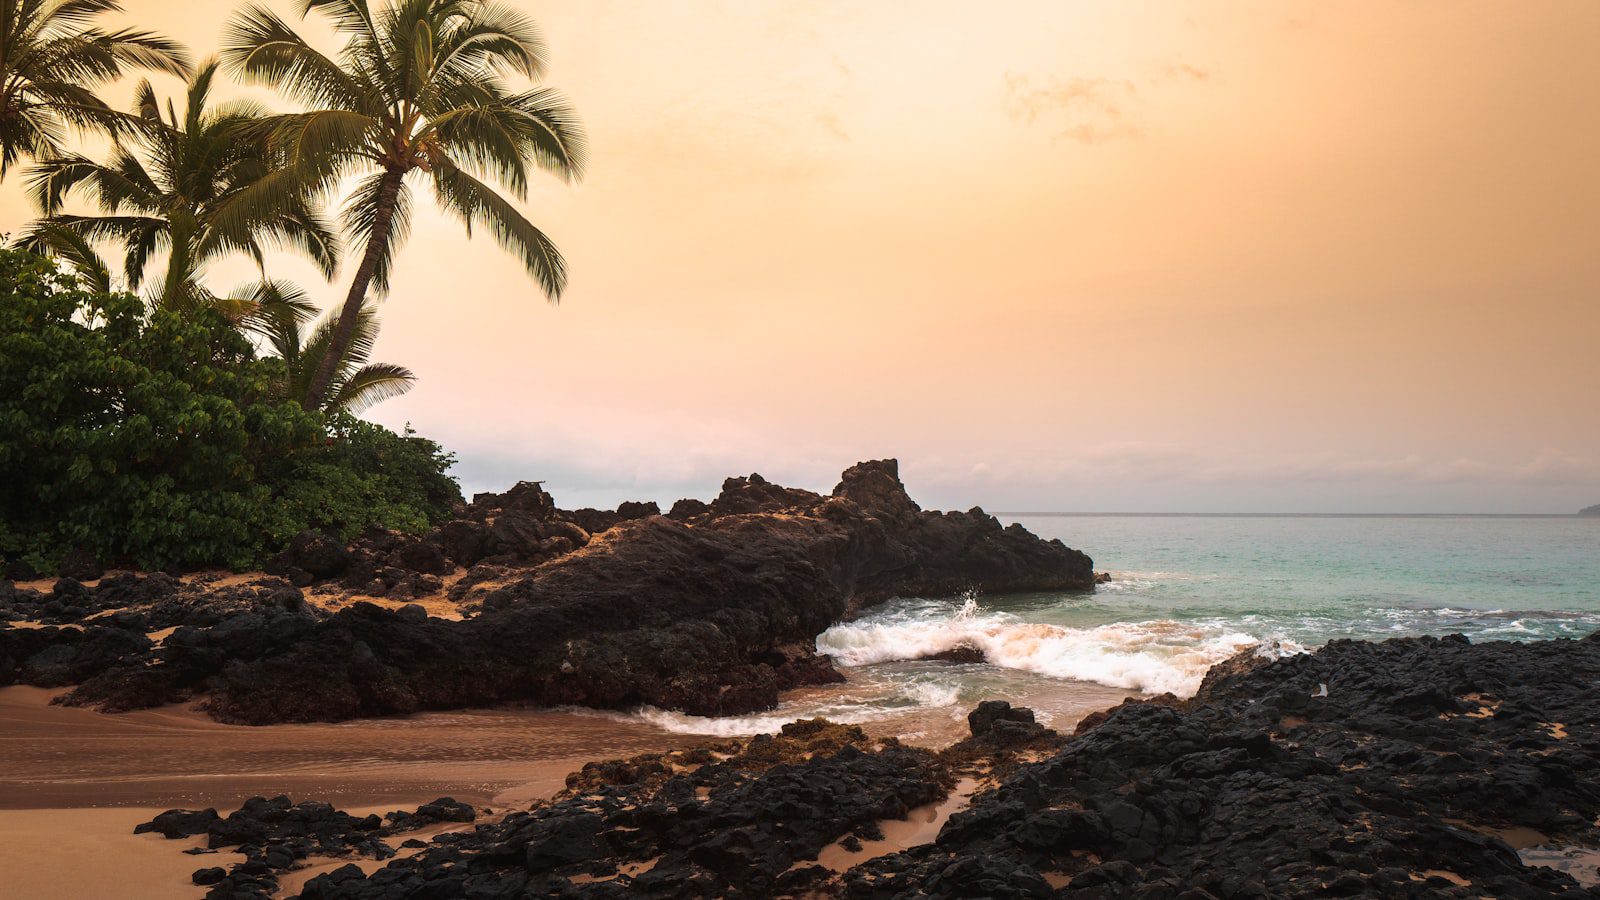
[
  {"x": 192, "y": 427},
  {"x": 357, "y": 384},
  {"x": 159, "y": 438},
  {"x": 197, "y": 187},
  {"x": 420, "y": 88},
  {"x": 52, "y": 57}
]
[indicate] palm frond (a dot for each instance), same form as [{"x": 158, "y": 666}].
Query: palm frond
[
  {"x": 476, "y": 203},
  {"x": 52, "y": 56},
  {"x": 72, "y": 248},
  {"x": 370, "y": 384}
]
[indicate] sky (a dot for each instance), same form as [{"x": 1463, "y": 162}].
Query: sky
[{"x": 1078, "y": 256}]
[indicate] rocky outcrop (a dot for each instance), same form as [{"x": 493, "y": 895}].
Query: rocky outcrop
[
  {"x": 712, "y": 612},
  {"x": 277, "y": 835},
  {"x": 1392, "y": 770},
  {"x": 742, "y": 819},
  {"x": 1373, "y": 770}
]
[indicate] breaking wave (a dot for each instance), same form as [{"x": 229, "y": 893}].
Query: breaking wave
[{"x": 1152, "y": 656}]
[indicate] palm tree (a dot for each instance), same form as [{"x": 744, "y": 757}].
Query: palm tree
[
  {"x": 199, "y": 186},
  {"x": 419, "y": 86},
  {"x": 52, "y": 58},
  {"x": 357, "y": 384}
]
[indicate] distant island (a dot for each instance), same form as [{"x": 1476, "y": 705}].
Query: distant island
[{"x": 1590, "y": 510}]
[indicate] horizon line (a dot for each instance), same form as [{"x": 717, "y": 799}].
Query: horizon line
[{"x": 1289, "y": 515}]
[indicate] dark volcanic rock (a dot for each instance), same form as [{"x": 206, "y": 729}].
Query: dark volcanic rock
[
  {"x": 629, "y": 510},
  {"x": 278, "y": 834},
  {"x": 595, "y": 521},
  {"x": 743, "y": 822},
  {"x": 714, "y": 615},
  {"x": 1394, "y": 782},
  {"x": 754, "y": 494},
  {"x": 876, "y": 488},
  {"x": 312, "y": 552},
  {"x": 688, "y": 508},
  {"x": 463, "y": 541},
  {"x": 1389, "y": 783}
]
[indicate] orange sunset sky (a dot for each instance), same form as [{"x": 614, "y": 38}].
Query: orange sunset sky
[{"x": 1220, "y": 256}]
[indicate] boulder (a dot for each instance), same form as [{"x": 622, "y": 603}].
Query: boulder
[
  {"x": 875, "y": 487},
  {"x": 688, "y": 508},
  {"x": 312, "y": 552}
]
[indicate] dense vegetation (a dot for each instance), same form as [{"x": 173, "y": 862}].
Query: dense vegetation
[
  {"x": 195, "y": 426},
  {"x": 159, "y": 438}
]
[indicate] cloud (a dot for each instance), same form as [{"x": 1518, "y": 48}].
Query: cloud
[
  {"x": 1183, "y": 72},
  {"x": 1557, "y": 467},
  {"x": 1090, "y": 110},
  {"x": 1155, "y": 463},
  {"x": 831, "y": 123},
  {"x": 1087, "y": 110}
]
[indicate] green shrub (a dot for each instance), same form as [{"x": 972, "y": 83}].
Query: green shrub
[
  {"x": 155, "y": 438},
  {"x": 365, "y": 474}
]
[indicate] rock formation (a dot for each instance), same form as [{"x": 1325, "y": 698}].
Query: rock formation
[
  {"x": 1395, "y": 770},
  {"x": 709, "y": 611}
]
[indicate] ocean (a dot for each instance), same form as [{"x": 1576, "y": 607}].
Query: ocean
[{"x": 1189, "y": 591}]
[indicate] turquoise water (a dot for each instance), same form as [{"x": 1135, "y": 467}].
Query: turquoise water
[
  {"x": 1313, "y": 578},
  {"x": 1189, "y": 591}
]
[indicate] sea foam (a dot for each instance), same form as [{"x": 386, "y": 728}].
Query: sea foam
[{"x": 1151, "y": 656}]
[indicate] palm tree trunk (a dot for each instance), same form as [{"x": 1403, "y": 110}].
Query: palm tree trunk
[{"x": 344, "y": 331}]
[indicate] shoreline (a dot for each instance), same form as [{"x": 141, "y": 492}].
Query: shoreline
[
  {"x": 62, "y": 806},
  {"x": 1361, "y": 745},
  {"x": 175, "y": 756}
]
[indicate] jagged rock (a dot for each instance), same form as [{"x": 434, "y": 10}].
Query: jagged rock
[
  {"x": 463, "y": 541},
  {"x": 177, "y": 823},
  {"x": 739, "y": 819},
  {"x": 1220, "y": 796},
  {"x": 875, "y": 487},
  {"x": 754, "y": 494},
  {"x": 983, "y": 719},
  {"x": 592, "y": 520},
  {"x": 1266, "y": 785},
  {"x": 717, "y": 617},
  {"x": 688, "y": 508},
  {"x": 312, "y": 552},
  {"x": 632, "y": 509},
  {"x": 425, "y": 557},
  {"x": 529, "y": 497}
]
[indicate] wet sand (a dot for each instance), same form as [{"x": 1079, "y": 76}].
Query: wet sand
[
  {"x": 54, "y": 757},
  {"x": 75, "y": 782}
]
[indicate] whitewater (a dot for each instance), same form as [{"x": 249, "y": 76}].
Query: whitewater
[{"x": 1186, "y": 593}]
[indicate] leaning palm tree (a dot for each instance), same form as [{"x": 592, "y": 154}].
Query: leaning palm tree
[
  {"x": 357, "y": 384},
  {"x": 419, "y": 86},
  {"x": 52, "y": 57},
  {"x": 198, "y": 186}
]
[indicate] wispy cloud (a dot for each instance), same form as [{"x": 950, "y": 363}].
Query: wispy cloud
[
  {"x": 1090, "y": 110},
  {"x": 1155, "y": 463},
  {"x": 1087, "y": 110}
]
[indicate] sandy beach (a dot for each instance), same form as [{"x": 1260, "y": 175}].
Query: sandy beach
[{"x": 75, "y": 782}]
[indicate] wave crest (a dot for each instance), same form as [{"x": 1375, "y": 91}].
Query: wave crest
[{"x": 1153, "y": 656}]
